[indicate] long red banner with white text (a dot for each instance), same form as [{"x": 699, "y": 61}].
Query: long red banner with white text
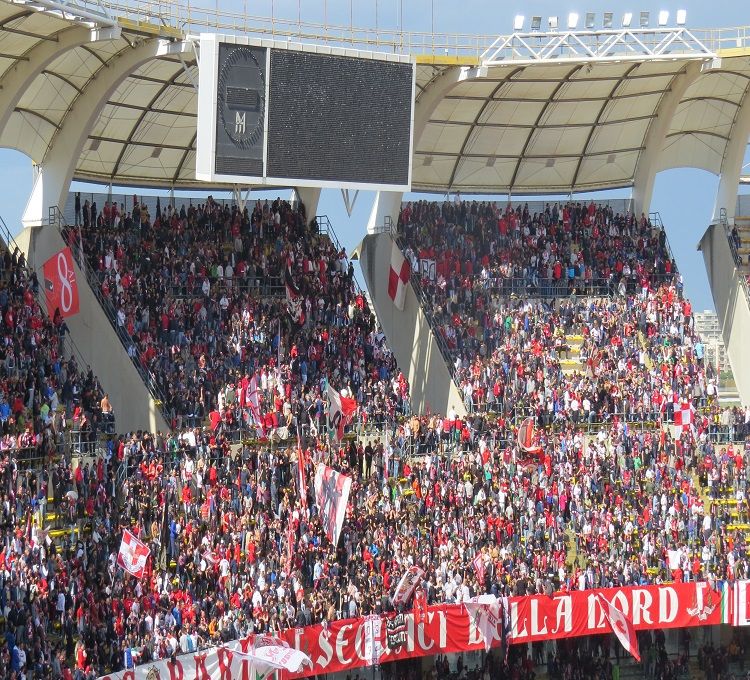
[{"x": 444, "y": 629}]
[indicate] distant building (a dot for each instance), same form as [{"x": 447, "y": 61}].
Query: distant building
[{"x": 707, "y": 325}]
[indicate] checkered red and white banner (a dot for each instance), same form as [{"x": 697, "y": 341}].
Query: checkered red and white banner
[
  {"x": 331, "y": 494},
  {"x": 133, "y": 554},
  {"x": 684, "y": 418},
  {"x": 398, "y": 277}
]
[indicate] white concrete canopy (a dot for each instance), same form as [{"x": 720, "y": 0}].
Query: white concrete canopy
[{"x": 519, "y": 128}]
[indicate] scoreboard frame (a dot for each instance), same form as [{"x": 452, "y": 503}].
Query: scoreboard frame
[{"x": 208, "y": 85}]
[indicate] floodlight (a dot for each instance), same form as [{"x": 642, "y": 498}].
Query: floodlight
[
  {"x": 645, "y": 18},
  {"x": 590, "y": 20},
  {"x": 536, "y": 23},
  {"x": 552, "y": 23},
  {"x": 627, "y": 19},
  {"x": 518, "y": 22},
  {"x": 663, "y": 17},
  {"x": 681, "y": 16},
  {"x": 607, "y": 20},
  {"x": 573, "y": 20}
]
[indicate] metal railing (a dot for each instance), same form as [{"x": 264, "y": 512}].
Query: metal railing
[
  {"x": 57, "y": 219},
  {"x": 424, "y": 303},
  {"x": 190, "y": 16},
  {"x": 262, "y": 286},
  {"x": 736, "y": 256}
]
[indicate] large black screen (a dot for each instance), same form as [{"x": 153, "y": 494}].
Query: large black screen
[{"x": 339, "y": 119}]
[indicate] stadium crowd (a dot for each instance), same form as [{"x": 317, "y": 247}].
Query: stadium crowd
[
  {"x": 238, "y": 547},
  {"x": 586, "y": 272},
  {"x": 212, "y": 295}
]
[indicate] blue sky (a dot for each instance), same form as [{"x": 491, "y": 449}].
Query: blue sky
[{"x": 684, "y": 197}]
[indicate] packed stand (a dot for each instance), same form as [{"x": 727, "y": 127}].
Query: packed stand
[
  {"x": 45, "y": 398},
  {"x": 235, "y": 550},
  {"x": 43, "y": 390},
  {"x": 621, "y": 292},
  {"x": 202, "y": 292}
]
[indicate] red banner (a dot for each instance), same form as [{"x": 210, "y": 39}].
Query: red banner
[
  {"x": 677, "y": 605},
  {"x": 446, "y": 629},
  {"x": 352, "y": 643},
  {"x": 60, "y": 285}
]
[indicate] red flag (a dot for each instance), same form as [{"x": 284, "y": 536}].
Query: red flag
[
  {"x": 290, "y": 546},
  {"x": 340, "y": 411},
  {"x": 133, "y": 554},
  {"x": 301, "y": 484},
  {"x": 420, "y": 606},
  {"x": 525, "y": 437},
  {"x": 622, "y": 626},
  {"x": 60, "y": 285}
]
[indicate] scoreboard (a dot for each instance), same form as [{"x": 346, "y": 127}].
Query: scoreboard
[{"x": 303, "y": 115}]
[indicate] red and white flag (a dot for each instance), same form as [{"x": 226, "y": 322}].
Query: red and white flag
[
  {"x": 622, "y": 626},
  {"x": 252, "y": 400},
  {"x": 478, "y": 563},
  {"x": 133, "y": 554},
  {"x": 301, "y": 483},
  {"x": 684, "y": 417},
  {"x": 331, "y": 494},
  {"x": 526, "y": 436},
  {"x": 341, "y": 410},
  {"x": 398, "y": 277},
  {"x": 409, "y": 581}
]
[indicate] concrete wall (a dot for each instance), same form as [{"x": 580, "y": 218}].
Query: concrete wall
[
  {"x": 409, "y": 334},
  {"x": 731, "y": 304},
  {"x": 97, "y": 341}
]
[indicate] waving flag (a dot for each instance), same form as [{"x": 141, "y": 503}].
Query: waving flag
[
  {"x": 301, "y": 483},
  {"x": 525, "y": 437},
  {"x": 253, "y": 403},
  {"x": 341, "y": 410},
  {"x": 409, "y": 581},
  {"x": 622, "y": 626},
  {"x": 133, "y": 554},
  {"x": 398, "y": 277},
  {"x": 487, "y": 614},
  {"x": 684, "y": 417},
  {"x": 331, "y": 494},
  {"x": 294, "y": 300}
]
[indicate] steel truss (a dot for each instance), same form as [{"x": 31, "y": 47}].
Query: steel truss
[{"x": 607, "y": 45}]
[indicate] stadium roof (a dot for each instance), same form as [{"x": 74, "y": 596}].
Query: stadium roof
[{"x": 484, "y": 121}]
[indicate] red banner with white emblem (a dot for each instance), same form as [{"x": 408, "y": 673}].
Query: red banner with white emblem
[{"x": 60, "y": 285}]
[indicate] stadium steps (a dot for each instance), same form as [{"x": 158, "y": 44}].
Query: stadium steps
[{"x": 572, "y": 362}]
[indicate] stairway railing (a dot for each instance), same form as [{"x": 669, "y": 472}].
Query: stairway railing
[{"x": 57, "y": 219}]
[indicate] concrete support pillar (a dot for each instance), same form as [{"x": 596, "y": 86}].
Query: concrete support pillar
[
  {"x": 645, "y": 171},
  {"x": 731, "y": 166},
  {"x": 57, "y": 167},
  {"x": 387, "y": 205},
  {"x": 310, "y": 197}
]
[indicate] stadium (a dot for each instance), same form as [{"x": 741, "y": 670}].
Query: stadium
[{"x": 481, "y": 433}]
